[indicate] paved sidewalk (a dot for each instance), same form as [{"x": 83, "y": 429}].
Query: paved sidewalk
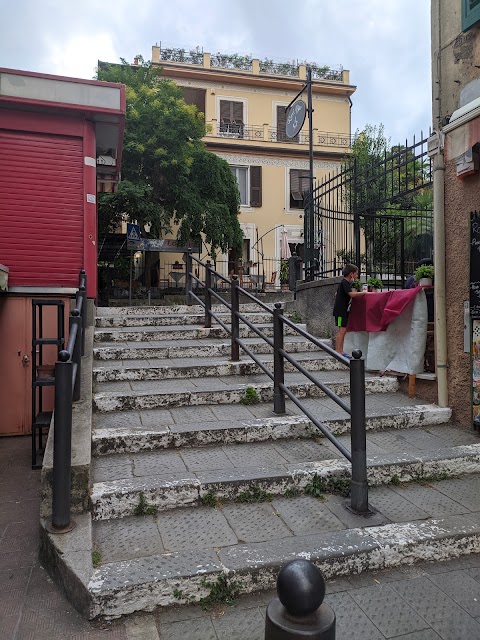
[{"x": 425, "y": 602}]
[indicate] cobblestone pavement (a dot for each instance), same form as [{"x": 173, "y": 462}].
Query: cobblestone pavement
[{"x": 424, "y": 602}]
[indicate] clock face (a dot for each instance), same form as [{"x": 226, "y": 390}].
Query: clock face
[{"x": 296, "y": 118}]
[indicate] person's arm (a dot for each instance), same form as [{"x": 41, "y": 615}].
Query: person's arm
[{"x": 354, "y": 294}]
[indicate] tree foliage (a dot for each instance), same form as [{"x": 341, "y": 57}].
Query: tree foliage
[{"x": 167, "y": 174}]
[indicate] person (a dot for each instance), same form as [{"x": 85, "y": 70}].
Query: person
[
  {"x": 410, "y": 281},
  {"x": 341, "y": 308}
]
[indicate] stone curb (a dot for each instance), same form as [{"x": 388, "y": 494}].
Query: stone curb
[
  {"x": 117, "y": 499},
  {"x": 118, "y": 440}
]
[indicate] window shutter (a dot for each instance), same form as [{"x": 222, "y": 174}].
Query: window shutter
[
  {"x": 230, "y": 111},
  {"x": 282, "y": 126},
  {"x": 255, "y": 186}
]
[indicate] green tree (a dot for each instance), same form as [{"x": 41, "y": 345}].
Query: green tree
[{"x": 168, "y": 176}]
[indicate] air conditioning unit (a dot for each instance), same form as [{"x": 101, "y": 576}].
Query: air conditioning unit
[{"x": 468, "y": 162}]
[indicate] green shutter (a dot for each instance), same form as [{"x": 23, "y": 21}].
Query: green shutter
[{"x": 470, "y": 13}]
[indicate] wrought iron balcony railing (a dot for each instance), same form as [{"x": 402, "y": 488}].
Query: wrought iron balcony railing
[{"x": 261, "y": 133}]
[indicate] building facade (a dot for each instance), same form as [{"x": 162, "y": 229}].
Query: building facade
[
  {"x": 455, "y": 27},
  {"x": 244, "y": 102}
]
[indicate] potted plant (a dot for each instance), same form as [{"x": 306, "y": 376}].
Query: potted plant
[
  {"x": 357, "y": 285},
  {"x": 374, "y": 284},
  {"x": 424, "y": 275},
  {"x": 284, "y": 274}
]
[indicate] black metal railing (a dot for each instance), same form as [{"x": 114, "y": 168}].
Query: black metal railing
[
  {"x": 356, "y": 409},
  {"x": 67, "y": 390}
]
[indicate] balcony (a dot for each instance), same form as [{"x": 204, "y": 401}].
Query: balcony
[{"x": 264, "y": 133}]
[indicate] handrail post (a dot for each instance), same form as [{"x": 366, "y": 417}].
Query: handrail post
[
  {"x": 83, "y": 295},
  {"x": 75, "y": 319},
  {"x": 62, "y": 443},
  {"x": 278, "y": 361},
  {"x": 359, "y": 490},
  {"x": 235, "y": 305},
  {"x": 208, "y": 295},
  {"x": 188, "y": 284}
]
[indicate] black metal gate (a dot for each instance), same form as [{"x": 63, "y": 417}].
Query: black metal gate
[{"x": 376, "y": 214}]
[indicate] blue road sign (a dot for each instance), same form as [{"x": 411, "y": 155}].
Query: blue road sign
[{"x": 133, "y": 232}]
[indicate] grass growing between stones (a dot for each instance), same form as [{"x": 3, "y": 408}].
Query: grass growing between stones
[
  {"x": 250, "y": 396},
  {"x": 143, "y": 508},
  {"x": 319, "y": 486},
  {"x": 255, "y": 495},
  {"x": 96, "y": 558},
  {"x": 222, "y": 591}
]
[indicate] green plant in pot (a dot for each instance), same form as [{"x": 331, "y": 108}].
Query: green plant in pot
[
  {"x": 357, "y": 285},
  {"x": 424, "y": 275},
  {"x": 283, "y": 272},
  {"x": 374, "y": 284}
]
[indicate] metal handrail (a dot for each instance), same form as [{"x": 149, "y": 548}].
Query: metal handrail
[
  {"x": 68, "y": 370},
  {"x": 356, "y": 410}
]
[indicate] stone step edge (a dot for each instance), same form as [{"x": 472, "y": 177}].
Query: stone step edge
[
  {"x": 209, "y": 349},
  {"x": 122, "y": 588},
  {"x": 122, "y": 440},
  {"x": 164, "y": 320},
  {"x": 120, "y": 498},
  {"x": 228, "y": 368},
  {"x": 133, "y": 334},
  {"x": 105, "y": 401},
  {"x": 174, "y": 309}
]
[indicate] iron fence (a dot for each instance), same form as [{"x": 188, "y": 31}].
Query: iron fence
[
  {"x": 356, "y": 410},
  {"x": 376, "y": 214}
]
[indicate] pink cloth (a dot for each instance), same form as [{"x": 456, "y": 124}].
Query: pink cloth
[{"x": 375, "y": 311}]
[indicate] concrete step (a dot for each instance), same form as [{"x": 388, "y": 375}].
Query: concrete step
[
  {"x": 165, "y": 369},
  {"x": 132, "y": 432},
  {"x": 159, "y": 577},
  {"x": 188, "y": 332},
  {"x": 202, "y": 348},
  {"x": 183, "y": 309},
  {"x": 164, "y": 320},
  {"x": 151, "y": 394},
  {"x": 167, "y": 479}
]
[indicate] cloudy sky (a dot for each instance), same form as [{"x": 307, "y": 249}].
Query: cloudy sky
[{"x": 384, "y": 43}]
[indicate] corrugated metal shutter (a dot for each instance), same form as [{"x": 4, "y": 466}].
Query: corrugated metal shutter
[{"x": 41, "y": 208}]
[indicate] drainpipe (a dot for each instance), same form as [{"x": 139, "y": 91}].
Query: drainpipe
[{"x": 439, "y": 264}]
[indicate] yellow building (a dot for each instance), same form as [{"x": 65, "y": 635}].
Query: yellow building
[{"x": 244, "y": 102}]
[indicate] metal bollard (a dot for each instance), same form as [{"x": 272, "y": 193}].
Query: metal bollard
[
  {"x": 299, "y": 611},
  {"x": 189, "y": 280}
]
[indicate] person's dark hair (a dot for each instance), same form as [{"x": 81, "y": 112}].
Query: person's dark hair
[
  {"x": 348, "y": 269},
  {"x": 425, "y": 261}
]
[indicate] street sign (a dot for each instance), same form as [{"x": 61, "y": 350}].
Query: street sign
[
  {"x": 295, "y": 118},
  {"x": 133, "y": 232}
]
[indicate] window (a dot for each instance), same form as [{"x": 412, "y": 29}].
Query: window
[
  {"x": 282, "y": 126},
  {"x": 231, "y": 119},
  {"x": 299, "y": 186},
  {"x": 194, "y": 96},
  {"x": 470, "y": 13},
  {"x": 249, "y": 181}
]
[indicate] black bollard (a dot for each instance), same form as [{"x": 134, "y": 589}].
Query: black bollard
[{"x": 299, "y": 611}]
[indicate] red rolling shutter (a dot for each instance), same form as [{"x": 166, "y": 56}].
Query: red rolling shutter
[{"x": 41, "y": 208}]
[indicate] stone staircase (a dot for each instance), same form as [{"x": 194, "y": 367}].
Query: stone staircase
[{"x": 199, "y": 494}]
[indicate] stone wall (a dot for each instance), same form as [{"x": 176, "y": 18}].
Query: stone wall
[{"x": 314, "y": 304}]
